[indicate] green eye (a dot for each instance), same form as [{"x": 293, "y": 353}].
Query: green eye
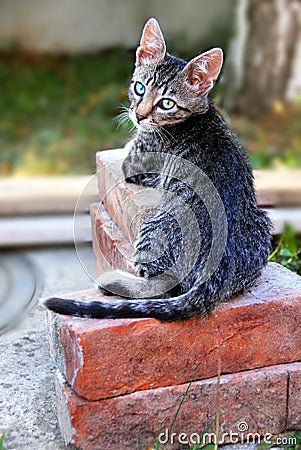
[
  {"x": 139, "y": 88},
  {"x": 166, "y": 103}
]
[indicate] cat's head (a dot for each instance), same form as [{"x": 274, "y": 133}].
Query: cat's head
[{"x": 166, "y": 90}]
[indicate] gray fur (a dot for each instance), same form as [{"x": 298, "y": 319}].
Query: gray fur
[{"x": 190, "y": 212}]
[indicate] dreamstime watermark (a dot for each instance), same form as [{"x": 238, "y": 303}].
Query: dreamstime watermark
[
  {"x": 172, "y": 169},
  {"x": 231, "y": 437}
]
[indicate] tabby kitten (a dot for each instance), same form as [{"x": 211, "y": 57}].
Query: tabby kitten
[{"x": 208, "y": 241}]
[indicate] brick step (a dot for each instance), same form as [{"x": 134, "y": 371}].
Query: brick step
[
  {"x": 259, "y": 402},
  {"x": 119, "y": 380},
  {"x": 260, "y": 328},
  {"x": 128, "y": 205},
  {"x": 111, "y": 248}
]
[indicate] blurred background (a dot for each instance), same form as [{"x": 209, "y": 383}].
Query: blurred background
[
  {"x": 65, "y": 65},
  {"x": 64, "y": 71}
]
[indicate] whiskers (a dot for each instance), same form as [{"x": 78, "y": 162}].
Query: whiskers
[
  {"x": 124, "y": 118},
  {"x": 164, "y": 135}
]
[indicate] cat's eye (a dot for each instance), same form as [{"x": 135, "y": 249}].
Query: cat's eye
[
  {"x": 139, "y": 88},
  {"x": 166, "y": 103}
]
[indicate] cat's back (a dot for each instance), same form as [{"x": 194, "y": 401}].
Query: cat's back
[{"x": 207, "y": 142}]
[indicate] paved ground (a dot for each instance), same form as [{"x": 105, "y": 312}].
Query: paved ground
[{"x": 27, "y": 400}]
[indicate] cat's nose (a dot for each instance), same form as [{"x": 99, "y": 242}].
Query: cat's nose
[{"x": 140, "y": 117}]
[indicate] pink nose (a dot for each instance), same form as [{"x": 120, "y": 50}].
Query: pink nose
[{"x": 140, "y": 117}]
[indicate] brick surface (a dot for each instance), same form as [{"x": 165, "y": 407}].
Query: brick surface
[
  {"x": 258, "y": 329},
  {"x": 111, "y": 248},
  {"x": 127, "y": 204},
  {"x": 119, "y": 381},
  {"x": 249, "y": 402},
  {"x": 294, "y": 399}
]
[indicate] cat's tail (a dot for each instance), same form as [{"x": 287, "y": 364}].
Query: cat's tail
[{"x": 165, "y": 309}]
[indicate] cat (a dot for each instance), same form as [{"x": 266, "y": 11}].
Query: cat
[{"x": 184, "y": 148}]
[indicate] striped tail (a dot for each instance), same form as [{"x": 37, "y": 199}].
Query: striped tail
[{"x": 164, "y": 309}]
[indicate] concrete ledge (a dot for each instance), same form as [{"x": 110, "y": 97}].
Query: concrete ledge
[
  {"x": 254, "y": 402},
  {"x": 44, "y": 195}
]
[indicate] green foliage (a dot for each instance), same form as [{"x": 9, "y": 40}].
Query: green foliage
[
  {"x": 297, "y": 436},
  {"x": 57, "y": 112},
  {"x": 1, "y": 441},
  {"x": 274, "y": 141},
  {"x": 288, "y": 250}
]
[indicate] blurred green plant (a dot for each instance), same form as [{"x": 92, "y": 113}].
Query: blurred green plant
[
  {"x": 275, "y": 141},
  {"x": 1, "y": 441},
  {"x": 287, "y": 251},
  {"x": 57, "y": 111}
]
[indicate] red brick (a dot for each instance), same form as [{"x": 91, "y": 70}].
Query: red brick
[
  {"x": 127, "y": 204},
  {"x": 111, "y": 248},
  {"x": 101, "y": 267},
  {"x": 256, "y": 398},
  {"x": 294, "y": 398},
  {"x": 259, "y": 329}
]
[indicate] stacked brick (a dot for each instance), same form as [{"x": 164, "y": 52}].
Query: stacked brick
[{"x": 119, "y": 382}]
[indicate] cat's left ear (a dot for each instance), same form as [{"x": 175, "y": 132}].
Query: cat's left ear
[
  {"x": 152, "y": 46},
  {"x": 202, "y": 71}
]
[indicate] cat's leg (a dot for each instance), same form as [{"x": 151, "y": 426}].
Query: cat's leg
[
  {"x": 140, "y": 167},
  {"x": 130, "y": 286},
  {"x": 155, "y": 253}
]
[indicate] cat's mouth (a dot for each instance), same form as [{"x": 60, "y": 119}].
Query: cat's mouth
[
  {"x": 143, "y": 123},
  {"x": 146, "y": 125}
]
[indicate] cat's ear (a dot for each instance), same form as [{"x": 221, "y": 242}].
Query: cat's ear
[
  {"x": 152, "y": 46},
  {"x": 202, "y": 71}
]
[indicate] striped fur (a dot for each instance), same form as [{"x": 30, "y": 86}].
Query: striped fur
[{"x": 184, "y": 148}]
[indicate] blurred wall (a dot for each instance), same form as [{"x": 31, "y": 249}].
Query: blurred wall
[{"x": 75, "y": 26}]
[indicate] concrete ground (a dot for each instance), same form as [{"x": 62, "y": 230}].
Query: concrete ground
[{"x": 27, "y": 398}]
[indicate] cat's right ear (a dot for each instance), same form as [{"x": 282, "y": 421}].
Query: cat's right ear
[{"x": 152, "y": 46}]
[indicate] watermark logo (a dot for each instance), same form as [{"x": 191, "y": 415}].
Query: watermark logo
[{"x": 243, "y": 434}]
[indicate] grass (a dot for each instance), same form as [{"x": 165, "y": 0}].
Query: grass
[
  {"x": 287, "y": 250},
  {"x": 275, "y": 140},
  {"x": 57, "y": 111},
  {"x": 1, "y": 441}
]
